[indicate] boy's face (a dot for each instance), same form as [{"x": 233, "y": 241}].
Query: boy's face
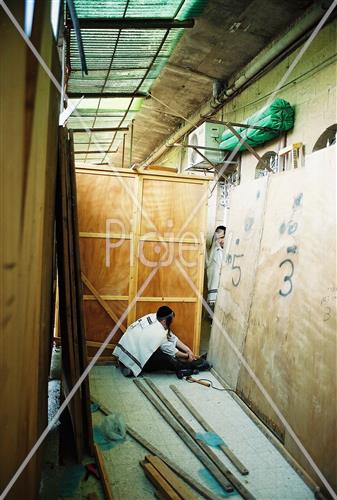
[{"x": 220, "y": 238}]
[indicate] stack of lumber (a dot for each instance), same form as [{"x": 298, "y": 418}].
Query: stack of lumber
[{"x": 168, "y": 485}]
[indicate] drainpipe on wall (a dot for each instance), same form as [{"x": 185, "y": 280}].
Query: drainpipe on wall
[{"x": 273, "y": 51}]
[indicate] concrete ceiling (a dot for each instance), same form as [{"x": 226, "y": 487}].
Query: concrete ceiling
[{"x": 224, "y": 39}]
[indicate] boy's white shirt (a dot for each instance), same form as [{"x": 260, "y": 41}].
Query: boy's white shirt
[{"x": 213, "y": 271}]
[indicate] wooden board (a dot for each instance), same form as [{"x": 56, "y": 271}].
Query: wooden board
[
  {"x": 291, "y": 342},
  {"x": 232, "y": 309},
  {"x": 168, "y": 280},
  {"x": 172, "y": 206},
  {"x": 291, "y": 334},
  {"x": 176, "y": 245},
  {"x": 105, "y": 197},
  {"x": 165, "y": 489},
  {"x": 29, "y": 114},
  {"x": 74, "y": 357},
  {"x": 104, "y": 477},
  {"x": 99, "y": 323},
  {"x": 177, "y": 484},
  {"x": 99, "y": 263}
]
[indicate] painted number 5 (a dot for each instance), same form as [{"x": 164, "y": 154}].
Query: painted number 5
[
  {"x": 236, "y": 267},
  {"x": 287, "y": 278}
]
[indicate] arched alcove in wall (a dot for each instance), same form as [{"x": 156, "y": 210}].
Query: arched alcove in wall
[
  {"x": 328, "y": 138},
  {"x": 271, "y": 158}
]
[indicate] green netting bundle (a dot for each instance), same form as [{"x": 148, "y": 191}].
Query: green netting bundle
[{"x": 279, "y": 116}]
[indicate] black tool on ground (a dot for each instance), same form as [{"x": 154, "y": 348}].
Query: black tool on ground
[{"x": 186, "y": 372}]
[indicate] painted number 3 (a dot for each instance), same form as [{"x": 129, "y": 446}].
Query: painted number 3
[{"x": 287, "y": 278}]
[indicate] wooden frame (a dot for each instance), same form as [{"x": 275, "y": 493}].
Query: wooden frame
[{"x": 143, "y": 236}]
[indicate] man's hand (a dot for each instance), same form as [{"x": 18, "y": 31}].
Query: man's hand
[{"x": 191, "y": 356}]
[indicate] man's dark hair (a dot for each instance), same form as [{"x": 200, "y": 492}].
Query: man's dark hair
[
  {"x": 166, "y": 313},
  {"x": 220, "y": 228}
]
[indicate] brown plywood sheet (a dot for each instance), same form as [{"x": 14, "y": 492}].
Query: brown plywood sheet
[
  {"x": 109, "y": 277},
  {"x": 97, "y": 321},
  {"x": 103, "y": 197},
  {"x": 173, "y": 206},
  {"x": 291, "y": 338},
  {"x": 132, "y": 259},
  {"x": 233, "y": 304},
  {"x": 29, "y": 111},
  {"x": 168, "y": 281}
]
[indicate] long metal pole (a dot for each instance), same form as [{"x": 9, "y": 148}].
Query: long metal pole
[
  {"x": 131, "y": 142},
  {"x": 123, "y": 151}
]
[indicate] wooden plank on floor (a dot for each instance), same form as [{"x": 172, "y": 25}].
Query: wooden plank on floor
[
  {"x": 199, "y": 453},
  {"x": 204, "y": 447},
  {"x": 159, "y": 482},
  {"x": 227, "y": 451},
  {"x": 103, "y": 474},
  {"x": 200, "y": 488},
  {"x": 177, "y": 484}
]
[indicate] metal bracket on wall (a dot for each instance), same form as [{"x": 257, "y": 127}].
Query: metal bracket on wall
[
  {"x": 198, "y": 148},
  {"x": 231, "y": 125}
]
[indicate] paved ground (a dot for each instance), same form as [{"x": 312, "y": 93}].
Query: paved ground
[{"x": 271, "y": 477}]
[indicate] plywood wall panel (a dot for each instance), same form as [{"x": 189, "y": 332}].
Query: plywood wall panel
[
  {"x": 29, "y": 111},
  {"x": 103, "y": 197},
  {"x": 290, "y": 338},
  {"x": 173, "y": 206},
  {"x": 99, "y": 323},
  {"x": 312, "y": 341},
  {"x": 232, "y": 309},
  {"x": 273, "y": 312},
  {"x": 297, "y": 335},
  {"x": 168, "y": 280},
  {"x": 106, "y": 268}
]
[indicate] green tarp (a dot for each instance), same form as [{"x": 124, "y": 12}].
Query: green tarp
[{"x": 278, "y": 116}]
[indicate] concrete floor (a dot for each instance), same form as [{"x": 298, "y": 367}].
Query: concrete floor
[{"x": 270, "y": 477}]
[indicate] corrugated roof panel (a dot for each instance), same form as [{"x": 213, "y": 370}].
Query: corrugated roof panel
[
  {"x": 120, "y": 62},
  {"x": 138, "y": 8},
  {"x": 141, "y": 49}
]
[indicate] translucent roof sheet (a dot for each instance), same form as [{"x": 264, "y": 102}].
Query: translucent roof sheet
[
  {"x": 99, "y": 113},
  {"x": 120, "y": 62},
  {"x": 138, "y": 56},
  {"x": 138, "y": 8}
]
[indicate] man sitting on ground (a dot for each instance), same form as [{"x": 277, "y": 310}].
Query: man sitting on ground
[{"x": 149, "y": 345}]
